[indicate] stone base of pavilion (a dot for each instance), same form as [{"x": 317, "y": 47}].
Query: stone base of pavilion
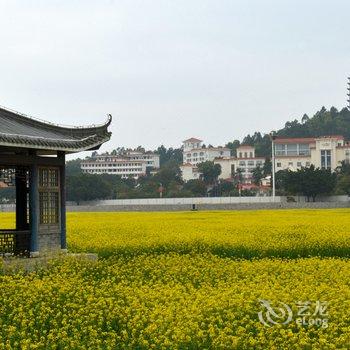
[{"x": 14, "y": 264}]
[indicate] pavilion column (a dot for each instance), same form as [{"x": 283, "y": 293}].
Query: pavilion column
[
  {"x": 61, "y": 156},
  {"x": 21, "y": 202},
  {"x": 34, "y": 209}
]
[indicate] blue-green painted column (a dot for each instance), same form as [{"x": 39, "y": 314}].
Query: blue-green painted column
[
  {"x": 21, "y": 201},
  {"x": 34, "y": 210},
  {"x": 61, "y": 156}
]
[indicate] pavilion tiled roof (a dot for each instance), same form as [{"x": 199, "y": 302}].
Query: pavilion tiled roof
[{"x": 21, "y": 131}]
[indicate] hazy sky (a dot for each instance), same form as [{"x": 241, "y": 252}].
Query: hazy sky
[{"x": 169, "y": 70}]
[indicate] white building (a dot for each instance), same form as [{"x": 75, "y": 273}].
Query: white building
[
  {"x": 151, "y": 159},
  {"x": 244, "y": 162},
  {"x": 326, "y": 152},
  {"x": 131, "y": 164},
  {"x": 194, "y": 152}
]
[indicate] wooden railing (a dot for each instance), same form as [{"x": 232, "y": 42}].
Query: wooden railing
[{"x": 14, "y": 242}]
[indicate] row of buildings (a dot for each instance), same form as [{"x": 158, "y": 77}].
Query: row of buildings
[
  {"x": 326, "y": 152},
  {"x": 128, "y": 164},
  {"x": 194, "y": 153}
]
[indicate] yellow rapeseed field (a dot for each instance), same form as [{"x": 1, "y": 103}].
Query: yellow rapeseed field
[
  {"x": 189, "y": 280},
  {"x": 246, "y": 234}
]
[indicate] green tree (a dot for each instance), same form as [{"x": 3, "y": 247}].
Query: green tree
[
  {"x": 233, "y": 147},
  {"x": 257, "y": 175},
  {"x": 73, "y": 167},
  {"x": 197, "y": 188},
  {"x": 267, "y": 167},
  {"x": 343, "y": 185},
  {"x": 227, "y": 189},
  {"x": 85, "y": 187},
  {"x": 310, "y": 182},
  {"x": 168, "y": 173},
  {"x": 343, "y": 169},
  {"x": 173, "y": 155},
  {"x": 238, "y": 176},
  {"x": 125, "y": 188},
  {"x": 209, "y": 172}
]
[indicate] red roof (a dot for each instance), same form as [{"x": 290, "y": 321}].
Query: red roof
[
  {"x": 187, "y": 164},
  {"x": 192, "y": 139},
  {"x": 306, "y": 139},
  {"x": 211, "y": 148},
  {"x": 338, "y": 137},
  {"x": 295, "y": 139},
  {"x": 245, "y": 146}
]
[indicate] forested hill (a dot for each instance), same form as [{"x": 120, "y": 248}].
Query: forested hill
[{"x": 324, "y": 122}]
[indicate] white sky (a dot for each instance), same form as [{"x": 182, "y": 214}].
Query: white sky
[{"x": 169, "y": 70}]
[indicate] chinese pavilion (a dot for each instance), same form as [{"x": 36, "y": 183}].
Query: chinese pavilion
[{"x": 32, "y": 158}]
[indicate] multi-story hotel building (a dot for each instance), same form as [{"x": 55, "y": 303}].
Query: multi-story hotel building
[
  {"x": 244, "y": 162},
  {"x": 194, "y": 152},
  {"x": 130, "y": 164},
  {"x": 326, "y": 152}
]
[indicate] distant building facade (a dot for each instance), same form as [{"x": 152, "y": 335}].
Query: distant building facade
[
  {"x": 244, "y": 163},
  {"x": 194, "y": 152},
  {"x": 129, "y": 164},
  {"x": 325, "y": 152}
]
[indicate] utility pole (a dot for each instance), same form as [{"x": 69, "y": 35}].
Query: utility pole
[
  {"x": 348, "y": 94},
  {"x": 273, "y": 137}
]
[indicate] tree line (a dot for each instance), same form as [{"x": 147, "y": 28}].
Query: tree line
[{"x": 168, "y": 183}]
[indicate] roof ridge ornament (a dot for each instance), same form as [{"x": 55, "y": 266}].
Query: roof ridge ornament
[
  {"x": 19, "y": 130},
  {"x": 36, "y": 119}
]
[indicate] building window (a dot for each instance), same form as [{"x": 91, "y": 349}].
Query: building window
[
  {"x": 326, "y": 160},
  {"x": 347, "y": 156},
  {"x": 48, "y": 195},
  {"x": 242, "y": 163},
  {"x": 298, "y": 164},
  {"x": 304, "y": 149},
  {"x": 292, "y": 149},
  {"x": 279, "y": 165},
  {"x": 240, "y": 154},
  {"x": 280, "y": 150},
  {"x": 245, "y": 154},
  {"x": 307, "y": 164},
  {"x": 251, "y": 154},
  {"x": 290, "y": 164}
]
